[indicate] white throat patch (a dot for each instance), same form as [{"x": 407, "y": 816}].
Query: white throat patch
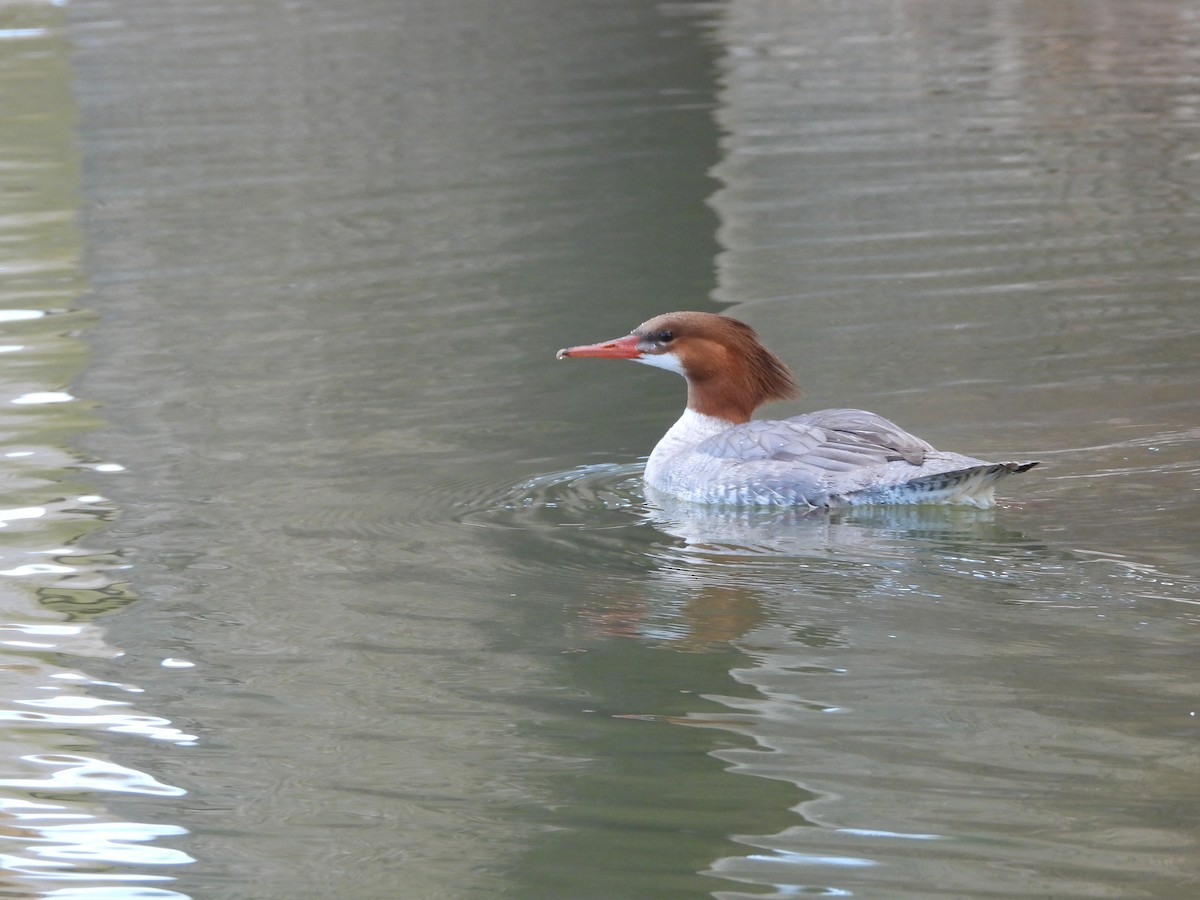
[{"x": 668, "y": 361}]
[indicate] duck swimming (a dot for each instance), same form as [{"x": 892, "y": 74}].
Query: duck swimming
[{"x": 716, "y": 453}]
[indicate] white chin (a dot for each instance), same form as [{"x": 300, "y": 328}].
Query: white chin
[{"x": 668, "y": 361}]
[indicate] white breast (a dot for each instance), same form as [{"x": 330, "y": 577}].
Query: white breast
[{"x": 680, "y": 440}]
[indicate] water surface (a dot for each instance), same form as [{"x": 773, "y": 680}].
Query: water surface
[{"x": 360, "y": 593}]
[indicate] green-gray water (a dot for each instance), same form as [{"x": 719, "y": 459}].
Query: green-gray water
[{"x": 322, "y": 578}]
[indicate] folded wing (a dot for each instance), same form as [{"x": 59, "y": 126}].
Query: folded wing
[{"x": 831, "y": 440}]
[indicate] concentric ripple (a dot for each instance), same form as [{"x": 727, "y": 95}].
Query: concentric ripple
[{"x": 583, "y": 497}]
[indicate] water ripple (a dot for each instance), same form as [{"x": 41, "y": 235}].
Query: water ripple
[
  {"x": 63, "y": 729},
  {"x": 576, "y": 498}
]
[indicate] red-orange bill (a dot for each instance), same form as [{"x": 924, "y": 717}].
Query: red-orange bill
[{"x": 621, "y": 348}]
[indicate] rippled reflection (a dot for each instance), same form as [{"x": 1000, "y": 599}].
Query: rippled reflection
[{"x": 62, "y": 728}]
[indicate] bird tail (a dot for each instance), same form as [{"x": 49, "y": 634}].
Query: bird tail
[{"x": 974, "y": 486}]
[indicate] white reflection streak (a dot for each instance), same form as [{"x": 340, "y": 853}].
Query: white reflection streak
[
  {"x": 37, "y": 397},
  {"x": 8, "y": 34},
  {"x": 112, "y": 842},
  {"x": 810, "y": 859},
  {"x": 24, "y": 512},
  {"x": 76, "y": 839},
  {"x": 154, "y": 727},
  {"x": 54, "y": 843},
  {"x": 84, "y": 773},
  {"x": 31, "y": 628},
  {"x": 872, "y": 832},
  {"x": 37, "y": 569}
]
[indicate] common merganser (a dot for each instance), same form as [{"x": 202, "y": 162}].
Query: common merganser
[{"x": 716, "y": 453}]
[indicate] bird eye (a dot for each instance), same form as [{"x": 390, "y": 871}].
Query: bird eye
[{"x": 665, "y": 337}]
